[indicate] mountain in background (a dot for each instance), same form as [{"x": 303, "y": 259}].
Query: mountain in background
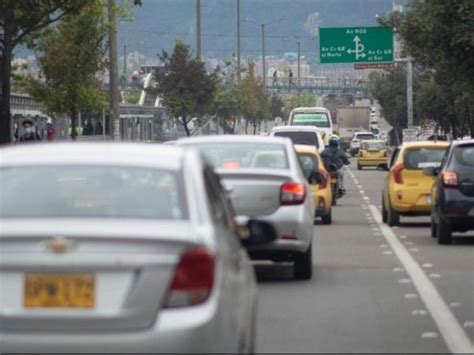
[{"x": 158, "y": 23}]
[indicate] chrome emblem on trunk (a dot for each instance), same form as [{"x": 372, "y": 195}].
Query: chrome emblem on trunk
[{"x": 59, "y": 245}]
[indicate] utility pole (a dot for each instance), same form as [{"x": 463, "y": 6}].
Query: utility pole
[
  {"x": 114, "y": 116},
  {"x": 198, "y": 29},
  {"x": 299, "y": 62},
  {"x": 263, "y": 57},
  {"x": 125, "y": 62},
  {"x": 238, "y": 43},
  {"x": 410, "y": 92}
]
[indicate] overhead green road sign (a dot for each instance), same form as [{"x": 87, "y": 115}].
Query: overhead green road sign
[{"x": 355, "y": 45}]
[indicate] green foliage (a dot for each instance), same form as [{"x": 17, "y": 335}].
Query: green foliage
[
  {"x": 69, "y": 57},
  {"x": 276, "y": 106},
  {"x": 132, "y": 97},
  {"x": 227, "y": 105},
  {"x": 185, "y": 86},
  {"x": 295, "y": 101},
  {"x": 255, "y": 101}
]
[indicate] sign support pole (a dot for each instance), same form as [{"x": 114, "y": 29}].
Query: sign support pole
[{"x": 410, "y": 92}]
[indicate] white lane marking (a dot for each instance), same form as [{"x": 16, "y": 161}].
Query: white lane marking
[
  {"x": 427, "y": 265},
  {"x": 398, "y": 269},
  {"x": 468, "y": 324},
  {"x": 409, "y": 296},
  {"x": 383, "y": 245},
  {"x": 408, "y": 243},
  {"x": 435, "y": 276},
  {"x": 452, "y": 332},
  {"x": 403, "y": 237},
  {"x": 404, "y": 281},
  {"x": 414, "y": 250},
  {"x": 419, "y": 312},
  {"x": 366, "y": 198},
  {"x": 388, "y": 252},
  {"x": 429, "y": 335},
  {"x": 455, "y": 304}
]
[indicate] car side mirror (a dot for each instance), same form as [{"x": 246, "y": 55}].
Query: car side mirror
[
  {"x": 316, "y": 177},
  {"x": 431, "y": 171},
  {"x": 254, "y": 232}
]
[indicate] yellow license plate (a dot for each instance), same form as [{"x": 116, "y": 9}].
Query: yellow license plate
[{"x": 59, "y": 290}]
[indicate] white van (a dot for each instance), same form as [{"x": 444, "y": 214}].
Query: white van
[{"x": 313, "y": 116}]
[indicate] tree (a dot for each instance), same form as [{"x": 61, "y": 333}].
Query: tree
[
  {"x": 255, "y": 102},
  {"x": 20, "y": 21},
  {"x": 227, "y": 106},
  {"x": 185, "y": 86},
  {"x": 295, "y": 101},
  {"x": 70, "y": 56},
  {"x": 276, "y": 106}
]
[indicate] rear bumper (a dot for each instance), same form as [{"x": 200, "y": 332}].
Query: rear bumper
[
  {"x": 175, "y": 331},
  {"x": 294, "y": 225},
  {"x": 372, "y": 162},
  {"x": 411, "y": 203}
]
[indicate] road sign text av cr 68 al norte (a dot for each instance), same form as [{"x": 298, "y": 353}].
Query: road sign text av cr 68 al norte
[{"x": 356, "y": 45}]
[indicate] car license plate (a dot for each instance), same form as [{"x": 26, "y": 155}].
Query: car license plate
[
  {"x": 59, "y": 291},
  {"x": 428, "y": 199}
]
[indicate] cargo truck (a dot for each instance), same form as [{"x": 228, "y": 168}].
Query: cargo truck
[{"x": 351, "y": 120}]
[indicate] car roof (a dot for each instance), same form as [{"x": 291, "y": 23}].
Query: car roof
[
  {"x": 311, "y": 109},
  {"x": 373, "y": 141},
  {"x": 422, "y": 144},
  {"x": 296, "y": 129},
  {"x": 363, "y": 133},
  {"x": 233, "y": 139},
  {"x": 463, "y": 142},
  {"x": 133, "y": 154}
]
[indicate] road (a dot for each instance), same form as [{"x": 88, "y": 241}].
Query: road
[{"x": 365, "y": 295}]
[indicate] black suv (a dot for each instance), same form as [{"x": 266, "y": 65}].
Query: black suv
[{"x": 453, "y": 192}]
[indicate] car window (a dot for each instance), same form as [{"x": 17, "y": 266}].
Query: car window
[
  {"x": 309, "y": 163},
  {"x": 92, "y": 192},
  {"x": 245, "y": 155},
  {"x": 364, "y": 136},
  {"x": 318, "y": 119},
  {"x": 464, "y": 155},
  {"x": 372, "y": 146},
  {"x": 305, "y": 138},
  {"x": 420, "y": 158}
]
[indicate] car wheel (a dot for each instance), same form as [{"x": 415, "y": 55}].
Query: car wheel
[
  {"x": 359, "y": 167},
  {"x": 384, "y": 211},
  {"x": 327, "y": 219},
  {"x": 303, "y": 265},
  {"x": 393, "y": 218},
  {"x": 434, "y": 229},
  {"x": 444, "y": 233}
]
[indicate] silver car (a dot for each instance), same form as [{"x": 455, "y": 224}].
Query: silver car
[
  {"x": 264, "y": 179},
  {"x": 122, "y": 248}
]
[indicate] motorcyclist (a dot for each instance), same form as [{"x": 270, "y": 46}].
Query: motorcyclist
[{"x": 334, "y": 155}]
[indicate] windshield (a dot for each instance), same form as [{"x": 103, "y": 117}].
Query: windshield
[
  {"x": 92, "y": 192},
  {"x": 245, "y": 155},
  {"x": 372, "y": 146},
  {"x": 319, "y": 119},
  {"x": 364, "y": 137},
  {"x": 305, "y": 138},
  {"x": 420, "y": 158},
  {"x": 309, "y": 163}
]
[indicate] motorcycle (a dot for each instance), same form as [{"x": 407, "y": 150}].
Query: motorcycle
[{"x": 337, "y": 193}]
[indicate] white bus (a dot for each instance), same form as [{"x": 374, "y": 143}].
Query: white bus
[{"x": 313, "y": 116}]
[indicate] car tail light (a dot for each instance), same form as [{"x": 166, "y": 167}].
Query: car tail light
[
  {"x": 324, "y": 183},
  {"x": 292, "y": 193},
  {"x": 450, "y": 180},
  {"x": 397, "y": 173},
  {"x": 193, "y": 279}
]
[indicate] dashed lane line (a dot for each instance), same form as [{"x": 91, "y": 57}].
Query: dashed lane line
[{"x": 452, "y": 332}]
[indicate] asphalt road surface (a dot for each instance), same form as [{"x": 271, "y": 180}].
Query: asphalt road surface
[{"x": 374, "y": 289}]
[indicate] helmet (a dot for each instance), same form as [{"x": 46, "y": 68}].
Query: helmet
[{"x": 334, "y": 141}]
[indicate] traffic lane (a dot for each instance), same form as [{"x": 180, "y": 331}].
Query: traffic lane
[
  {"x": 357, "y": 300},
  {"x": 450, "y": 268}
]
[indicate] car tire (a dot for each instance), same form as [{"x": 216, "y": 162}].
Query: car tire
[
  {"x": 327, "y": 219},
  {"x": 303, "y": 265},
  {"x": 434, "y": 229},
  {"x": 444, "y": 233},
  {"x": 393, "y": 218},
  {"x": 359, "y": 167},
  {"x": 384, "y": 212}
]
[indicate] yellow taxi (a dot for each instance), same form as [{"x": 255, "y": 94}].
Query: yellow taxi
[
  {"x": 319, "y": 179},
  {"x": 372, "y": 153},
  {"x": 407, "y": 191}
]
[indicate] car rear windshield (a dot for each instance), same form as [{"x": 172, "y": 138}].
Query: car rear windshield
[
  {"x": 363, "y": 137},
  {"x": 420, "y": 158},
  {"x": 245, "y": 155},
  {"x": 372, "y": 146},
  {"x": 309, "y": 163},
  {"x": 318, "y": 119},
  {"x": 92, "y": 192},
  {"x": 465, "y": 155},
  {"x": 305, "y": 138}
]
